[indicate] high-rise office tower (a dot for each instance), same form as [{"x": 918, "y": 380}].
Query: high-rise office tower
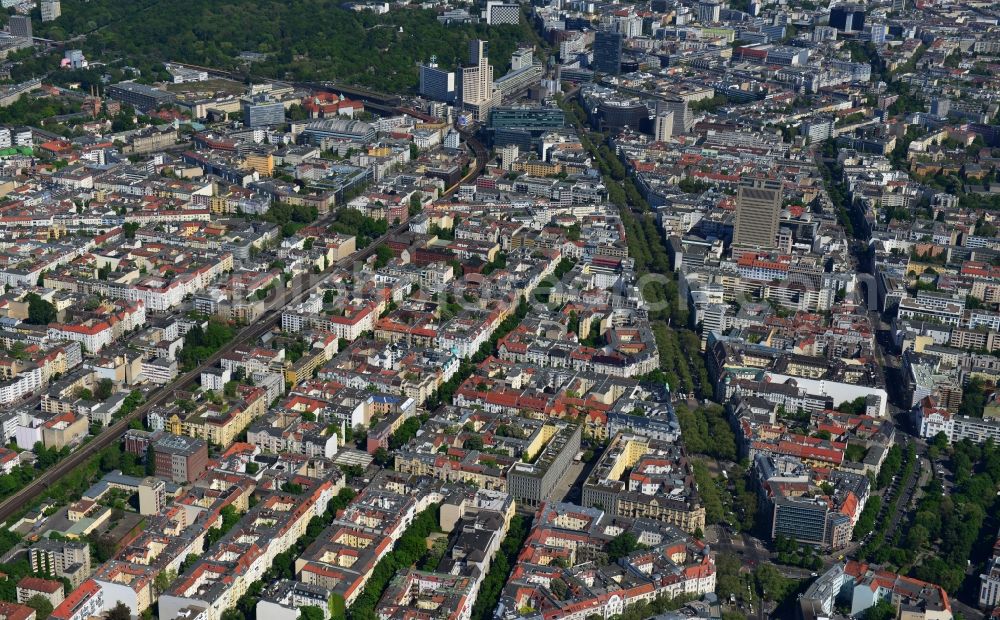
[
  {"x": 482, "y": 84},
  {"x": 848, "y": 17},
  {"x": 682, "y": 117},
  {"x": 664, "y": 126},
  {"x": 758, "y": 208},
  {"x": 875, "y": 33},
  {"x": 522, "y": 57},
  {"x": 501, "y": 12},
  {"x": 709, "y": 11},
  {"x": 262, "y": 111},
  {"x": 608, "y": 52},
  {"x": 51, "y": 10},
  {"x": 436, "y": 83},
  {"x": 479, "y": 95},
  {"x": 628, "y": 25},
  {"x": 20, "y": 26}
]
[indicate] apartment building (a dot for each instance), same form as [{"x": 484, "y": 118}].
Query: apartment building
[
  {"x": 225, "y": 571},
  {"x": 989, "y": 581},
  {"x": 565, "y": 536},
  {"x": 84, "y": 602},
  {"x": 860, "y": 587},
  {"x": 659, "y": 483},
  {"x": 58, "y": 558}
]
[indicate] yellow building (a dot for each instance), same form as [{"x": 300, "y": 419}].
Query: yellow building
[
  {"x": 220, "y": 424},
  {"x": 450, "y": 471},
  {"x": 263, "y": 163},
  {"x": 674, "y": 513},
  {"x": 305, "y": 367},
  {"x": 627, "y": 453},
  {"x": 538, "y": 168},
  {"x": 64, "y": 429}
]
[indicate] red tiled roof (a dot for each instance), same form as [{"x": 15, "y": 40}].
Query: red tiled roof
[
  {"x": 37, "y": 584},
  {"x": 13, "y": 611}
]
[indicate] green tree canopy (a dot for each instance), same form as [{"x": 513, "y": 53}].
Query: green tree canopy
[
  {"x": 383, "y": 254},
  {"x": 41, "y": 605},
  {"x": 105, "y": 387},
  {"x": 622, "y": 545},
  {"x": 311, "y": 612},
  {"x": 40, "y": 312}
]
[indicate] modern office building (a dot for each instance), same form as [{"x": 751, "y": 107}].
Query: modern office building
[
  {"x": 179, "y": 458},
  {"x": 758, "y": 208},
  {"x": 141, "y": 97},
  {"x": 339, "y": 129},
  {"x": 436, "y": 83},
  {"x": 478, "y": 83},
  {"x": 618, "y": 114},
  {"x": 876, "y": 33},
  {"x": 508, "y": 154},
  {"x": 800, "y": 518},
  {"x": 518, "y": 81},
  {"x": 479, "y": 95},
  {"x": 848, "y": 17},
  {"x": 523, "y": 126},
  {"x": 522, "y": 57},
  {"x": 51, "y": 10},
  {"x": 664, "y": 126},
  {"x": 709, "y": 11},
  {"x": 607, "y": 52},
  {"x": 262, "y": 111},
  {"x": 817, "y": 129},
  {"x": 571, "y": 46},
  {"x": 534, "y": 119},
  {"x": 683, "y": 120},
  {"x": 800, "y": 510},
  {"x": 787, "y": 56},
  {"x": 773, "y": 32},
  {"x": 629, "y": 25},
  {"x": 20, "y": 25},
  {"x": 530, "y": 484},
  {"x": 501, "y": 13}
]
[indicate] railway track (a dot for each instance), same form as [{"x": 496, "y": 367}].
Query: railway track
[
  {"x": 365, "y": 95},
  {"x": 26, "y": 496},
  {"x": 302, "y": 286}
]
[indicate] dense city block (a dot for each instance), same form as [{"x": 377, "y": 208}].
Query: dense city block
[{"x": 548, "y": 310}]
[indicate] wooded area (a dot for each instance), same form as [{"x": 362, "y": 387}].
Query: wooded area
[{"x": 303, "y": 39}]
